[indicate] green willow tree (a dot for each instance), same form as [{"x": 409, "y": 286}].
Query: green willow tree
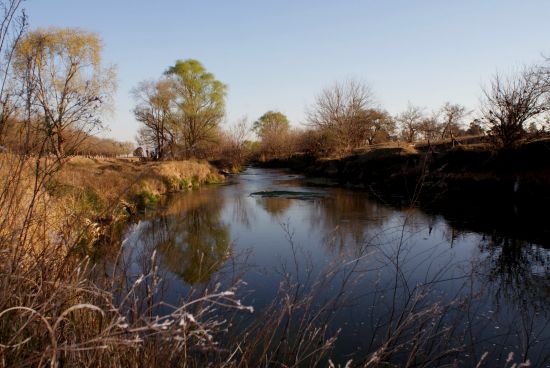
[
  {"x": 200, "y": 104},
  {"x": 273, "y": 128},
  {"x": 65, "y": 83},
  {"x": 196, "y": 243},
  {"x": 272, "y": 122}
]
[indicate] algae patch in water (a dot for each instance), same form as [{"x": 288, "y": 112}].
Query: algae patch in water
[{"x": 288, "y": 194}]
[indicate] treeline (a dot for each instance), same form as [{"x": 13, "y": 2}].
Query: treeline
[
  {"x": 75, "y": 142},
  {"x": 181, "y": 115},
  {"x": 106, "y": 147},
  {"x": 345, "y": 118}
]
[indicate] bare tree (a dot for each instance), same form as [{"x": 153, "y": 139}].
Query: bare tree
[
  {"x": 429, "y": 127},
  {"x": 475, "y": 128},
  {"x": 512, "y": 102},
  {"x": 12, "y": 26},
  {"x": 378, "y": 125},
  {"x": 452, "y": 116},
  {"x": 70, "y": 89},
  {"x": 409, "y": 121},
  {"x": 234, "y": 143},
  {"x": 155, "y": 110},
  {"x": 338, "y": 110}
]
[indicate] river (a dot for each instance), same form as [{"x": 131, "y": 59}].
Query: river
[{"x": 382, "y": 274}]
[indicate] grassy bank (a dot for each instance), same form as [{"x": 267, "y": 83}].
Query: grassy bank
[{"x": 101, "y": 184}]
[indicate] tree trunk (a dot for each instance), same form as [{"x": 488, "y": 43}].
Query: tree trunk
[{"x": 60, "y": 149}]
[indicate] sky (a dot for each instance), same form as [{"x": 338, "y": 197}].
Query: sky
[{"x": 279, "y": 55}]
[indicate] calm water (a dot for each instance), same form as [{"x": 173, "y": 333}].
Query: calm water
[{"x": 492, "y": 291}]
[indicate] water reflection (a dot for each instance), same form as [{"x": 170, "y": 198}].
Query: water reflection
[
  {"x": 243, "y": 212},
  {"x": 502, "y": 283},
  {"x": 518, "y": 271},
  {"x": 275, "y": 206},
  {"x": 348, "y": 220},
  {"x": 510, "y": 309},
  {"x": 190, "y": 236}
]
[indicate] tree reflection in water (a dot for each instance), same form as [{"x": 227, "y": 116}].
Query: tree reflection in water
[
  {"x": 517, "y": 278},
  {"x": 190, "y": 237},
  {"x": 519, "y": 272},
  {"x": 275, "y": 206}
]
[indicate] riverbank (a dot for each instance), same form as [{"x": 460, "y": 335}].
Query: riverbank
[
  {"x": 61, "y": 239},
  {"x": 446, "y": 180},
  {"x": 408, "y": 173},
  {"x": 99, "y": 194},
  {"x": 134, "y": 184}
]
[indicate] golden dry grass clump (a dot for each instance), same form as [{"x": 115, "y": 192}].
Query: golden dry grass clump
[{"x": 115, "y": 179}]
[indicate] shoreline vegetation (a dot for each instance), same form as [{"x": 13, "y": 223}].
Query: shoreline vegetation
[
  {"x": 436, "y": 174},
  {"x": 131, "y": 183},
  {"x": 105, "y": 190}
]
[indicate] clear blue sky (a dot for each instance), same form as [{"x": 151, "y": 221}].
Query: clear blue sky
[{"x": 280, "y": 54}]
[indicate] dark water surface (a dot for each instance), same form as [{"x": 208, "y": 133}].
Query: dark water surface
[{"x": 491, "y": 291}]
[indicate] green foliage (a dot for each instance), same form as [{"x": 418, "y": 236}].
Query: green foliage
[
  {"x": 87, "y": 201},
  {"x": 272, "y": 122},
  {"x": 200, "y": 103},
  {"x": 195, "y": 183},
  {"x": 184, "y": 184},
  {"x": 56, "y": 189},
  {"x": 214, "y": 179},
  {"x": 173, "y": 183},
  {"x": 145, "y": 199},
  {"x": 92, "y": 201},
  {"x": 201, "y": 243}
]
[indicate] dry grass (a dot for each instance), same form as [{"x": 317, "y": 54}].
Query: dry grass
[
  {"x": 114, "y": 179},
  {"x": 379, "y": 151}
]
